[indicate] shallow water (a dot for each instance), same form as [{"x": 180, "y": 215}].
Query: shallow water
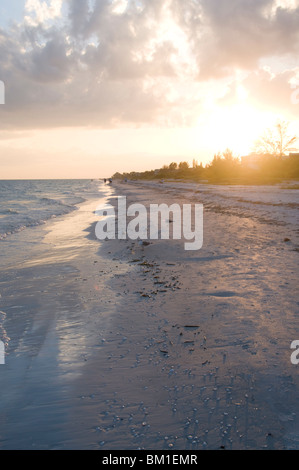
[
  {"x": 27, "y": 203},
  {"x": 46, "y": 308}
]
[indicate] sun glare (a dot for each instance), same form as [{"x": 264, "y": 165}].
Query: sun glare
[{"x": 236, "y": 127}]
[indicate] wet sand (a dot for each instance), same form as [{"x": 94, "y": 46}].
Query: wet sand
[{"x": 115, "y": 346}]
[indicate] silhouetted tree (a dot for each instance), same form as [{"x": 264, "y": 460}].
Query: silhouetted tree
[
  {"x": 224, "y": 166},
  {"x": 184, "y": 166},
  {"x": 276, "y": 141},
  {"x": 173, "y": 166}
]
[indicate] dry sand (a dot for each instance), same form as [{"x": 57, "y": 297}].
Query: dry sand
[{"x": 157, "y": 347}]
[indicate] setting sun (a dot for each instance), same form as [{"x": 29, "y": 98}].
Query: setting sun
[{"x": 235, "y": 127}]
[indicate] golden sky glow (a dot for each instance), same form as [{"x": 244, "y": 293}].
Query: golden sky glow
[{"x": 94, "y": 87}]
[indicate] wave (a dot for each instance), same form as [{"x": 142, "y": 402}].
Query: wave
[
  {"x": 3, "y": 334},
  {"x": 25, "y": 204},
  {"x": 8, "y": 212},
  {"x": 17, "y": 227},
  {"x": 50, "y": 201},
  {"x": 15, "y": 222}
]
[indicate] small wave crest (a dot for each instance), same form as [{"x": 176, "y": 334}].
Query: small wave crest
[
  {"x": 17, "y": 223},
  {"x": 3, "y": 335},
  {"x": 50, "y": 201},
  {"x": 28, "y": 204},
  {"x": 8, "y": 212}
]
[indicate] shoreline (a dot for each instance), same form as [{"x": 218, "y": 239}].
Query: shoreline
[
  {"x": 158, "y": 348},
  {"x": 50, "y": 303}
]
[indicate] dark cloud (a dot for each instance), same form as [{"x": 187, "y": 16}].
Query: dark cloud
[
  {"x": 78, "y": 16},
  {"x": 243, "y": 34}
]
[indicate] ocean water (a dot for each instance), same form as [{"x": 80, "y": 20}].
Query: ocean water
[
  {"x": 25, "y": 204},
  {"x": 27, "y": 207}
]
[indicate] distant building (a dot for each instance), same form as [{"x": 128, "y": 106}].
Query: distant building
[{"x": 252, "y": 161}]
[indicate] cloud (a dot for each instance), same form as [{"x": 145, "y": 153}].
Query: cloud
[
  {"x": 37, "y": 11},
  {"x": 273, "y": 93},
  {"x": 238, "y": 34},
  {"x": 267, "y": 92},
  {"x": 132, "y": 62}
]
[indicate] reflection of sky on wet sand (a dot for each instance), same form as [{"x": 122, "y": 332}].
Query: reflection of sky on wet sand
[
  {"x": 58, "y": 306},
  {"x": 62, "y": 296},
  {"x": 71, "y": 232},
  {"x": 86, "y": 300}
]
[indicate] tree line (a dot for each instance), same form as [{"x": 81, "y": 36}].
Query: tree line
[{"x": 273, "y": 160}]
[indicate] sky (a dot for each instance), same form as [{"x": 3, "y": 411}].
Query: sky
[{"x": 98, "y": 86}]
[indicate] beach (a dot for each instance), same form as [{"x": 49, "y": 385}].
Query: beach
[{"x": 117, "y": 346}]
